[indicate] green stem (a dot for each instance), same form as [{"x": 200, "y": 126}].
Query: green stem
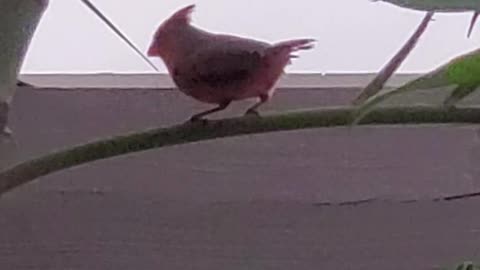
[
  {"x": 382, "y": 77},
  {"x": 186, "y": 133}
]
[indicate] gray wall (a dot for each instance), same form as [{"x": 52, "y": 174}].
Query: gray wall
[{"x": 249, "y": 202}]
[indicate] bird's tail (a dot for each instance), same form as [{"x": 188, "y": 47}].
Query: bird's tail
[
  {"x": 283, "y": 51},
  {"x": 290, "y": 46}
]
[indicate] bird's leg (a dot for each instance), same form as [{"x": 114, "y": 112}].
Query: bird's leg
[
  {"x": 253, "y": 110},
  {"x": 222, "y": 106}
]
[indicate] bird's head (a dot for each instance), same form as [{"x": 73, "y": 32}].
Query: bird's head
[{"x": 164, "y": 37}]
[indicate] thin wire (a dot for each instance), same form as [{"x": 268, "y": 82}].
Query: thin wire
[{"x": 117, "y": 31}]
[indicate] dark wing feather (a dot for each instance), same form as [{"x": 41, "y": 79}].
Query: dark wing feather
[{"x": 218, "y": 69}]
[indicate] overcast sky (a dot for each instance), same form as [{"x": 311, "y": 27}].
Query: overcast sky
[{"x": 353, "y": 35}]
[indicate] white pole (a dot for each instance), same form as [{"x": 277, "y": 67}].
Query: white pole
[{"x": 18, "y": 22}]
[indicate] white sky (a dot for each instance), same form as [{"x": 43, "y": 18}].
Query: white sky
[{"x": 353, "y": 35}]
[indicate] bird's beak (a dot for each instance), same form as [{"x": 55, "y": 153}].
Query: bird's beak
[{"x": 152, "y": 51}]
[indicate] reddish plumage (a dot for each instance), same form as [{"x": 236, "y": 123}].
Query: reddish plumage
[{"x": 219, "y": 68}]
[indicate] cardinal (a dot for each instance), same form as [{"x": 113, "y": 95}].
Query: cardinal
[{"x": 218, "y": 68}]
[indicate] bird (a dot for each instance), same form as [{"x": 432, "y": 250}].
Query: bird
[
  {"x": 444, "y": 6},
  {"x": 218, "y": 68}
]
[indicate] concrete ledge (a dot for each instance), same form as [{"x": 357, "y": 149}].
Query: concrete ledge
[{"x": 108, "y": 80}]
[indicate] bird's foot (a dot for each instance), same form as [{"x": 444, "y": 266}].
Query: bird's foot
[{"x": 252, "y": 112}]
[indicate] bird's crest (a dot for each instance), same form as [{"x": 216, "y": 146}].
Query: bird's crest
[
  {"x": 179, "y": 18},
  {"x": 183, "y": 15}
]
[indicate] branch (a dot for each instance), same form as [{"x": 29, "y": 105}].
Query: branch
[
  {"x": 382, "y": 77},
  {"x": 186, "y": 133}
]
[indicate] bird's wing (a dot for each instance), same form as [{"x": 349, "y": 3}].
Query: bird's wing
[{"x": 218, "y": 67}]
